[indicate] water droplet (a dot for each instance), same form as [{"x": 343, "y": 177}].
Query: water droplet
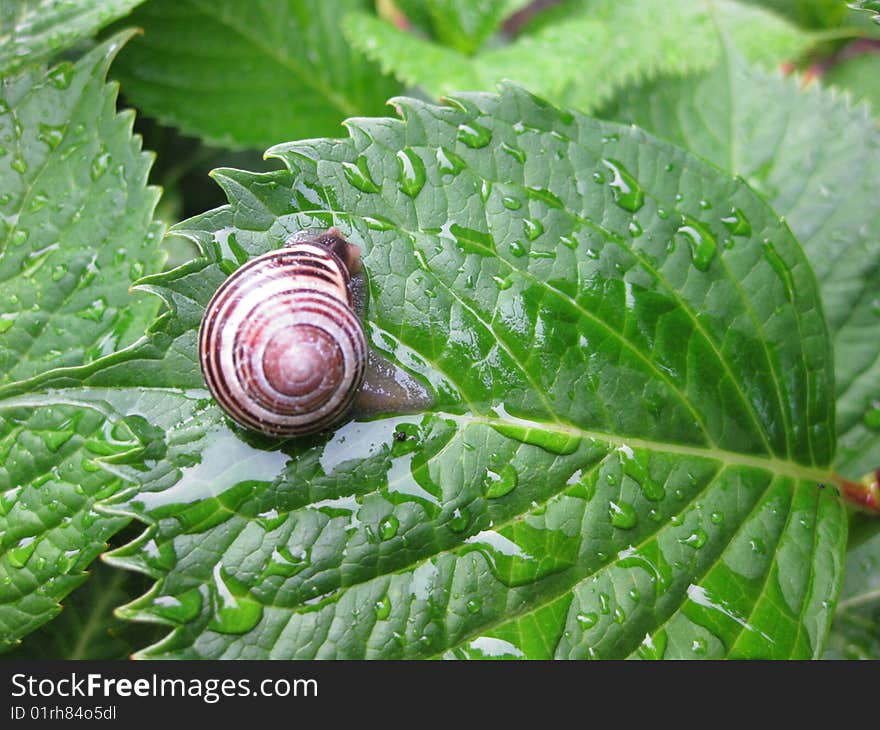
[
  {"x": 698, "y": 646},
  {"x": 635, "y": 230},
  {"x": 624, "y": 187},
  {"x": 100, "y": 163},
  {"x": 52, "y": 136},
  {"x": 533, "y": 228},
  {"x": 556, "y": 442},
  {"x": 634, "y": 465},
  {"x": 604, "y": 603},
  {"x": 7, "y": 319},
  {"x": 515, "y": 152},
  {"x": 388, "y": 527},
  {"x": 412, "y": 171},
  {"x": 588, "y": 620},
  {"x": 717, "y": 518},
  {"x": 61, "y": 76},
  {"x": 501, "y": 483},
  {"x": 358, "y": 174},
  {"x": 502, "y": 283},
  {"x": 18, "y": 164},
  {"x": 37, "y": 202},
  {"x": 623, "y": 515},
  {"x": 460, "y": 519},
  {"x": 95, "y": 311},
  {"x": 236, "y": 612},
  {"x": 20, "y": 554},
  {"x": 569, "y": 242},
  {"x": 702, "y": 242},
  {"x": 737, "y": 223},
  {"x": 779, "y": 266},
  {"x": 758, "y": 546},
  {"x": 448, "y": 162},
  {"x": 654, "y": 647},
  {"x": 518, "y": 249},
  {"x": 619, "y": 616},
  {"x": 383, "y": 608},
  {"x": 473, "y": 606},
  {"x": 696, "y": 539},
  {"x": 511, "y": 203},
  {"x": 474, "y": 135},
  {"x": 872, "y": 416}
]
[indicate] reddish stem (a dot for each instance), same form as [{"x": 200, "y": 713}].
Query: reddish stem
[{"x": 864, "y": 494}]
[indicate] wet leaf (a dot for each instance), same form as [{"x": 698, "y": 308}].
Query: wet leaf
[
  {"x": 87, "y": 628},
  {"x": 34, "y": 30},
  {"x": 630, "y": 425},
  {"x": 796, "y": 147},
  {"x": 75, "y": 230}
]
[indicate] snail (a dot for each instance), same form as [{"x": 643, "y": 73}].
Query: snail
[{"x": 282, "y": 345}]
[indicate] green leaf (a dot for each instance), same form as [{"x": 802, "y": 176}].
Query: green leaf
[
  {"x": 76, "y": 229},
  {"x": 34, "y": 30},
  {"x": 249, "y": 74},
  {"x": 584, "y": 56},
  {"x": 629, "y": 426},
  {"x": 855, "y": 633},
  {"x": 871, "y": 6},
  {"x": 75, "y": 219},
  {"x": 461, "y": 24},
  {"x": 87, "y": 628},
  {"x": 816, "y": 159},
  {"x": 809, "y": 13},
  {"x": 860, "y": 75}
]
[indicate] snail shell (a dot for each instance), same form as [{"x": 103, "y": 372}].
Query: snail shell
[{"x": 281, "y": 346}]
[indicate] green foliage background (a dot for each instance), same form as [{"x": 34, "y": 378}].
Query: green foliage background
[{"x": 645, "y": 480}]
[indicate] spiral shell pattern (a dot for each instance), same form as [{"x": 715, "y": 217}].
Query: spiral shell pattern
[{"x": 281, "y": 348}]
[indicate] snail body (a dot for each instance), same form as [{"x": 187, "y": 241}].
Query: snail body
[{"x": 282, "y": 345}]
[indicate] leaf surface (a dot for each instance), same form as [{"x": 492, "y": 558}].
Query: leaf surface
[
  {"x": 797, "y": 147},
  {"x": 582, "y": 57},
  {"x": 33, "y": 30},
  {"x": 629, "y": 425},
  {"x": 76, "y": 230},
  {"x": 250, "y": 74},
  {"x": 461, "y": 24},
  {"x": 855, "y": 633}
]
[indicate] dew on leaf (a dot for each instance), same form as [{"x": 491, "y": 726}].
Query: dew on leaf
[
  {"x": 388, "y": 527},
  {"x": 871, "y": 418},
  {"x": 737, "y": 223},
  {"x": 533, "y": 228},
  {"x": 588, "y": 620},
  {"x": 460, "y": 520},
  {"x": 383, "y": 608},
  {"x": 473, "y": 606},
  {"x": 412, "y": 172},
  {"x": 501, "y": 483},
  {"x": 100, "y": 163},
  {"x": 235, "y": 610},
  {"x": 448, "y": 162},
  {"x": 511, "y": 203},
  {"x": 702, "y": 243},
  {"x": 51, "y": 135},
  {"x": 781, "y": 269},
  {"x": 7, "y": 319},
  {"x": 625, "y": 189},
  {"x": 515, "y": 152},
  {"x": 518, "y": 249},
  {"x": 474, "y": 135},
  {"x": 654, "y": 647},
  {"x": 358, "y": 174},
  {"x": 623, "y": 515},
  {"x": 21, "y": 553},
  {"x": 696, "y": 539}
]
